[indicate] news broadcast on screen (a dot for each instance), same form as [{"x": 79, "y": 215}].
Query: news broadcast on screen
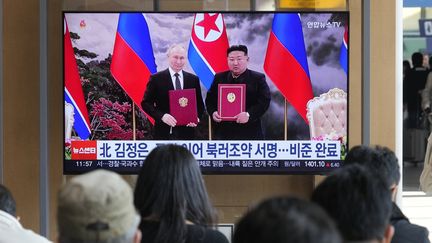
[{"x": 245, "y": 92}]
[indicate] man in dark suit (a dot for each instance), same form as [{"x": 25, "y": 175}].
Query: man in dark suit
[
  {"x": 156, "y": 98},
  {"x": 247, "y": 124}
]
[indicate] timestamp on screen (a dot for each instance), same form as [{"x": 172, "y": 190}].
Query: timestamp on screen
[{"x": 84, "y": 163}]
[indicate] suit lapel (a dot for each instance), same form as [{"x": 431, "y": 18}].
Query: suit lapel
[
  {"x": 167, "y": 80},
  {"x": 186, "y": 81}
]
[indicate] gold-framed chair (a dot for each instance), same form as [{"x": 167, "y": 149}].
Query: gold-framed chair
[{"x": 327, "y": 115}]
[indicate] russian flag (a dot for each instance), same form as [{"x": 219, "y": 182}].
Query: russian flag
[
  {"x": 73, "y": 90},
  {"x": 133, "y": 61},
  {"x": 286, "y": 62},
  {"x": 343, "y": 58},
  {"x": 208, "y": 46}
]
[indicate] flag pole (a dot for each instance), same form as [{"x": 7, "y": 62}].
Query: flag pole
[
  {"x": 210, "y": 127},
  {"x": 286, "y": 120},
  {"x": 133, "y": 120}
]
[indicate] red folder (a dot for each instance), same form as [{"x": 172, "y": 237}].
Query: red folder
[
  {"x": 183, "y": 106},
  {"x": 231, "y": 100}
]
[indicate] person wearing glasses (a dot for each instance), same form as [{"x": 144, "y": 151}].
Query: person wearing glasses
[{"x": 247, "y": 124}]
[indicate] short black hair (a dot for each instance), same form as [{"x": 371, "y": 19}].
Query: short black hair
[
  {"x": 380, "y": 160},
  {"x": 242, "y": 48},
  {"x": 286, "y": 219},
  {"x": 7, "y": 202},
  {"x": 359, "y": 203},
  {"x": 417, "y": 59}
]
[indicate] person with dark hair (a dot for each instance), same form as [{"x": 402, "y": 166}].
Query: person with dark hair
[
  {"x": 248, "y": 123},
  {"x": 414, "y": 83},
  {"x": 171, "y": 197},
  {"x": 379, "y": 160},
  {"x": 359, "y": 203},
  {"x": 286, "y": 220},
  {"x": 156, "y": 97},
  {"x": 7, "y": 202},
  {"x": 11, "y": 229},
  {"x": 383, "y": 163}
]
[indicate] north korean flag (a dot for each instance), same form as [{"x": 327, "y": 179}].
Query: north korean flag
[
  {"x": 73, "y": 89},
  {"x": 208, "y": 46},
  {"x": 343, "y": 58}
]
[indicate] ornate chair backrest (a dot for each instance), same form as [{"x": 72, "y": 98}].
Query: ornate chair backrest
[{"x": 327, "y": 114}]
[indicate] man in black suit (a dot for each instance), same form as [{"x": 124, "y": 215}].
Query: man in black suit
[
  {"x": 156, "y": 98},
  {"x": 247, "y": 125}
]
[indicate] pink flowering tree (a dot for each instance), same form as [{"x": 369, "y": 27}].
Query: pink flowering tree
[{"x": 108, "y": 120}]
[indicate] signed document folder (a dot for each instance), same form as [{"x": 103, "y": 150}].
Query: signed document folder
[
  {"x": 183, "y": 106},
  {"x": 231, "y": 100}
]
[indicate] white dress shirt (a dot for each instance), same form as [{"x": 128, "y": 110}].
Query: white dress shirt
[{"x": 173, "y": 77}]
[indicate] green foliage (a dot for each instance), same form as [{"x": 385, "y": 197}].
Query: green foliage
[
  {"x": 74, "y": 36},
  {"x": 84, "y": 53}
]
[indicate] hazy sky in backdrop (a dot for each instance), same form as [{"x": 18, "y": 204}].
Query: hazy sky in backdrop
[
  {"x": 322, "y": 44},
  {"x": 98, "y": 30}
]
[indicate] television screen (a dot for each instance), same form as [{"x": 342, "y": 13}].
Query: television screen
[{"x": 245, "y": 92}]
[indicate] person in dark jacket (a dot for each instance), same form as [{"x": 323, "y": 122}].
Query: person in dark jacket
[
  {"x": 247, "y": 124},
  {"x": 384, "y": 164},
  {"x": 156, "y": 97}
]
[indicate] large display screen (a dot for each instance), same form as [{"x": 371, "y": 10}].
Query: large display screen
[{"x": 289, "y": 90}]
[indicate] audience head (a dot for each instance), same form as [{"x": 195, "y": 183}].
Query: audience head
[
  {"x": 97, "y": 207},
  {"x": 417, "y": 59},
  {"x": 379, "y": 160},
  {"x": 359, "y": 203},
  {"x": 170, "y": 190},
  {"x": 7, "y": 202},
  {"x": 285, "y": 220}
]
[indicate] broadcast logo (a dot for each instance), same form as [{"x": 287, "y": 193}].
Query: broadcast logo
[{"x": 83, "y": 150}]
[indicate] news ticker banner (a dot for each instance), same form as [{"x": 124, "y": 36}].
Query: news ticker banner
[
  {"x": 212, "y": 156},
  {"x": 316, "y": 4}
]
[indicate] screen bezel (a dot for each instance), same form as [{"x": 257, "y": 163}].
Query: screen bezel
[{"x": 314, "y": 171}]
